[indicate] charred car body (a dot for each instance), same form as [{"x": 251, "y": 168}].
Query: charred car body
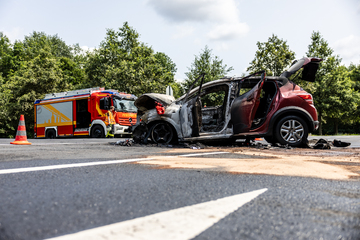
[{"x": 233, "y": 108}]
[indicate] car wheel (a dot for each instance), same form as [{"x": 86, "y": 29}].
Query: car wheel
[
  {"x": 97, "y": 131},
  {"x": 161, "y": 133},
  {"x": 292, "y": 131},
  {"x": 51, "y": 134}
]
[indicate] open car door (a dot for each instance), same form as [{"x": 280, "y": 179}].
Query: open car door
[
  {"x": 190, "y": 112},
  {"x": 244, "y": 107}
]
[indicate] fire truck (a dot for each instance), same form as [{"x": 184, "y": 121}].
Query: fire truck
[{"x": 82, "y": 113}]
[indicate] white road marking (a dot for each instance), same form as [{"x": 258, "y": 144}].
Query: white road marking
[
  {"x": 178, "y": 224},
  {"x": 87, "y": 164},
  {"x": 72, "y": 165}
]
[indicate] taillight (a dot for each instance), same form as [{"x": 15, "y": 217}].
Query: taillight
[
  {"x": 307, "y": 97},
  {"x": 159, "y": 108}
]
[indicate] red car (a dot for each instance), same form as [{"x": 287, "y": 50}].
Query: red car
[{"x": 232, "y": 108}]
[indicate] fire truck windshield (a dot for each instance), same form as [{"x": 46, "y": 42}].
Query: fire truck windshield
[{"x": 124, "y": 105}]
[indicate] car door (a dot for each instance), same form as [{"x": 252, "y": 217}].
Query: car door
[
  {"x": 190, "y": 112},
  {"x": 244, "y": 108}
]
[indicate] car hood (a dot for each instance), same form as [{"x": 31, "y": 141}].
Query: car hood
[
  {"x": 310, "y": 66},
  {"x": 147, "y": 100}
]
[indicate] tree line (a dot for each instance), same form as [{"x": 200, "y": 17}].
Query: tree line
[{"x": 42, "y": 64}]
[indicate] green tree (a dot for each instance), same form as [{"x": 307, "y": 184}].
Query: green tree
[
  {"x": 205, "y": 62},
  {"x": 71, "y": 58},
  {"x": 6, "y": 52},
  {"x": 333, "y": 92},
  {"x": 6, "y": 128},
  {"x": 342, "y": 104},
  {"x": 73, "y": 70},
  {"x": 32, "y": 81},
  {"x": 354, "y": 73},
  {"x": 213, "y": 68},
  {"x": 122, "y": 62},
  {"x": 37, "y": 65},
  {"x": 319, "y": 47},
  {"x": 37, "y": 41},
  {"x": 274, "y": 56}
]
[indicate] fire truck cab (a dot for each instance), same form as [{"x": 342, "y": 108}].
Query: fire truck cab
[{"x": 82, "y": 113}]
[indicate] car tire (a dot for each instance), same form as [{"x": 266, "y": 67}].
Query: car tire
[
  {"x": 161, "y": 132},
  {"x": 292, "y": 131},
  {"x": 97, "y": 131},
  {"x": 50, "y": 134}
]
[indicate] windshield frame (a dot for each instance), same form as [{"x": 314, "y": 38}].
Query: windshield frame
[{"x": 117, "y": 99}]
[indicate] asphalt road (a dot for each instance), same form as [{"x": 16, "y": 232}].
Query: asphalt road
[{"x": 46, "y": 203}]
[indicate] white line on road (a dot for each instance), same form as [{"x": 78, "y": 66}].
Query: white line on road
[
  {"x": 72, "y": 165},
  {"x": 178, "y": 224},
  {"x": 87, "y": 164}
]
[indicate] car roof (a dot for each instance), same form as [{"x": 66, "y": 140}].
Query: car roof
[{"x": 251, "y": 81}]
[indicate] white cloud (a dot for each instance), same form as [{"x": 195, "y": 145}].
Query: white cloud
[
  {"x": 228, "y": 31},
  {"x": 196, "y": 10},
  {"x": 222, "y": 15},
  {"x": 183, "y": 31},
  {"x": 348, "y": 49}
]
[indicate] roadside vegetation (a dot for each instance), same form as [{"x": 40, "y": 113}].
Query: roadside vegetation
[{"x": 42, "y": 64}]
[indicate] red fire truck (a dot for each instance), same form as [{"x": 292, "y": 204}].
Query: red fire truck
[{"x": 82, "y": 113}]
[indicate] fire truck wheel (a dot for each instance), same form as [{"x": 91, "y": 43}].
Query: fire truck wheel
[
  {"x": 97, "y": 131},
  {"x": 50, "y": 133}
]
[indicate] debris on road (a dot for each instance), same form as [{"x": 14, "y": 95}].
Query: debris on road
[
  {"x": 314, "y": 144},
  {"x": 324, "y": 144},
  {"x": 126, "y": 142},
  {"x": 338, "y": 143}
]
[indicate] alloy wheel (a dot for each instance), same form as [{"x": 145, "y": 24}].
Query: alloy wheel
[{"x": 292, "y": 131}]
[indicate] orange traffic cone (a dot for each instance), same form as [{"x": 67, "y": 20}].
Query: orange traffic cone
[{"x": 21, "y": 138}]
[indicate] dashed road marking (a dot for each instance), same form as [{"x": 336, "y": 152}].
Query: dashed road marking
[
  {"x": 87, "y": 164},
  {"x": 178, "y": 224}
]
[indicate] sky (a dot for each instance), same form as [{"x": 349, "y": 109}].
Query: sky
[{"x": 182, "y": 28}]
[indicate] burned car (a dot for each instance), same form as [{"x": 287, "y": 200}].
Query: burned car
[{"x": 233, "y": 108}]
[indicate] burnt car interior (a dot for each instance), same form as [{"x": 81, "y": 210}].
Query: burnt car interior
[
  {"x": 250, "y": 102},
  {"x": 267, "y": 95},
  {"x": 214, "y": 102}
]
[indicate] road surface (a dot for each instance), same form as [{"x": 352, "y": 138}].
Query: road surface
[{"x": 76, "y": 188}]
